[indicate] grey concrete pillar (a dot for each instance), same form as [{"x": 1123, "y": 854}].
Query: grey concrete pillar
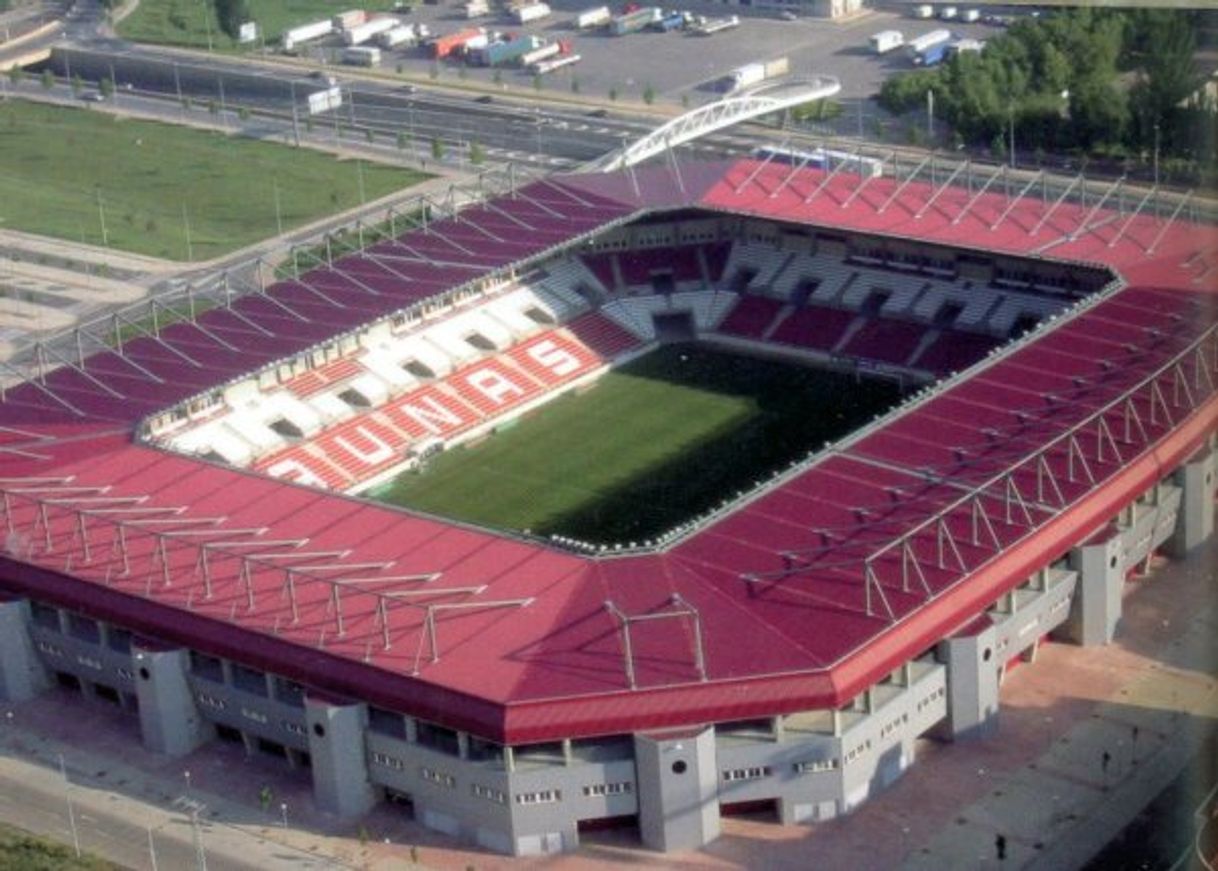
[
  {"x": 1195, "y": 522},
  {"x": 170, "y": 719},
  {"x": 1096, "y": 607},
  {"x": 22, "y": 674},
  {"x": 339, "y": 762},
  {"x": 972, "y": 685},
  {"x": 678, "y": 789}
]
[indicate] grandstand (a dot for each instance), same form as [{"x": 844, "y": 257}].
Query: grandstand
[{"x": 180, "y": 531}]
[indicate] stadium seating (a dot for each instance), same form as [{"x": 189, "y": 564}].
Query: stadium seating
[
  {"x": 814, "y": 327},
  {"x": 885, "y": 341},
  {"x": 763, "y": 261},
  {"x": 603, "y": 336},
  {"x": 751, "y": 317},
  {"x": 954, "y": 351},
  {"x": 319, "y": 379},
  {"x": 635, "y": 313}
]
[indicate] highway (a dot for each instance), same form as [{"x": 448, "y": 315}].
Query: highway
[{"x": 546, "y": 135}]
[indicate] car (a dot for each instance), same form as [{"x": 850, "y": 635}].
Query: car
[
  {"x": 93, "y": 97},
  {"x": 787, "y": 15},
  {"x": 599, "y": 113},
  {"x": 485, "y": 98}
]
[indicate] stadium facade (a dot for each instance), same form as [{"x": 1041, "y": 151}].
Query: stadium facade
[{"x": 181, "y": 536}]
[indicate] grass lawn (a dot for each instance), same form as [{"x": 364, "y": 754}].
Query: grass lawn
[
  {"x": 651, "y": 445},
  {"x": 21, "y": 851},
  {"x": 63, "y": 171},
  {"x": 187, "y": 22}
]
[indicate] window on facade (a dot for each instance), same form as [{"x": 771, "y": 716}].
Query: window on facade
[
  {"x": 45, "y": 616},
  {"x": 438, "y": 738},
  {"x": 206, "y": 666},
  {"x": 386, "y": 722}
]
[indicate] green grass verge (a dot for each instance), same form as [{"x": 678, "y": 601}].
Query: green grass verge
[
  {"x": 188, "y": 22},
  {"x": 63, "y": 171},
  {"x": 21, "y": 851},
  {"x": 652, "y": 444}
]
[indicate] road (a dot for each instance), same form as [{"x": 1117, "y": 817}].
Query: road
[{"x": 107, "y": 823}]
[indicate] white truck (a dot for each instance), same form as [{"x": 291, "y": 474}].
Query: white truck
[
  {"x": 362, "y": 56},
  {"x": 754, "y": 73},
  {"x": 970, "y": 15},
  {"x": 476, "y": 8},
  {"x": 947, "y": 13},
  {"x": 923, "y": 10},
  {"x": 530, "y": 12},
  {"x": 886, "y": 40},
  {"x": 596, "y": 17},
  {"x": 396, "y": 37},
  {"x": 361, "y": 33},
  {"x": 304, "y": 33}
]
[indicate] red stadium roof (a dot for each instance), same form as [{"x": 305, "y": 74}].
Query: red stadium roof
[{"x": 803, "y": 593}]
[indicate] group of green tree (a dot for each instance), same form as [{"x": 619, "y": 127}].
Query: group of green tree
[
  {"x": 231, "y": 14},
  {"x": 1117, "y": 81}
]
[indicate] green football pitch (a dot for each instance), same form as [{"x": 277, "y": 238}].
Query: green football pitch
[{"x": 649, "y": 446}]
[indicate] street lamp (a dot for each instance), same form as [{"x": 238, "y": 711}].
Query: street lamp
[
  {"x": 186, "y": 774},
  {"x": 1011, "y": 119},
  {"x": 283, "y": 810},
  {"x": 1156, "y": 154}
]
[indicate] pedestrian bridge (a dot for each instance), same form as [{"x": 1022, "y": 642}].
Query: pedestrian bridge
[{"x": 752, "y": 103}]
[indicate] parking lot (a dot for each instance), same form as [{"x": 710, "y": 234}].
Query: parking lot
[{"x": 678, "y": 65}]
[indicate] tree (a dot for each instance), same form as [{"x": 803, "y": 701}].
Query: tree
[
  {"x": 437, "y": 148},
  {"x": 433, "y": 72},
  {"x": 477, "y": 155},
  {"x": 649, "y": 95},
  {"x": 685, "y": 101},
  {"x": 243, "y": 113},
  {"x": 15, "y": 74},
  {"x": 402, "y": 140},
  {"x": 48, "y": 79},
  {"x": 78, "y": 85},
  {"x": 369, "y": 135},
  {"x": 613, "y": 93},
  {"x": 497, "y": 78},
  {"x": 537, "y": 82},
  {"x": 232, "y": 14},
  {"x": 106, "y": 87},
  {"x": 1099, "y": 113},
  {"x": 574, "y": 84}
]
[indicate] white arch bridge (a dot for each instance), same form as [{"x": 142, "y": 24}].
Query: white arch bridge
[{"x": 762, "y": 100}]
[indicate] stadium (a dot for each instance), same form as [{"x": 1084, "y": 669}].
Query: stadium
[{"x": 195, "y": 531}]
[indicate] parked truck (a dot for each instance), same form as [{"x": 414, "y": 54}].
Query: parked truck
[
  {"x": 544, "y": 52},
  {"x": 443, "y": 46},
  {"x": 633, "y": 22},
  {"x": 919, "y": 46},
  {"x": 923, "y": 10},
  {"x": 598, "y": 16},
  {"x": 504, "y": 52},
  {"x": 396, "y": 37},
  {"x": 476, "y": 8},
  {"x": 672, "y": 21},
  {"x": 886, "y": 40},
  {"x": 362, "y": 56},
  {"x": 711, "y": 26},
  {"x": 350, "y": 18},
  {"x": 361, "y": 33},
  {"x": 755, "y": 73},
  {"x": 304, "y": 33},
  {"x": 934, "y": 55},
  {"x": 555, "y": 63},
  {"x": 530, "y": 12}
]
